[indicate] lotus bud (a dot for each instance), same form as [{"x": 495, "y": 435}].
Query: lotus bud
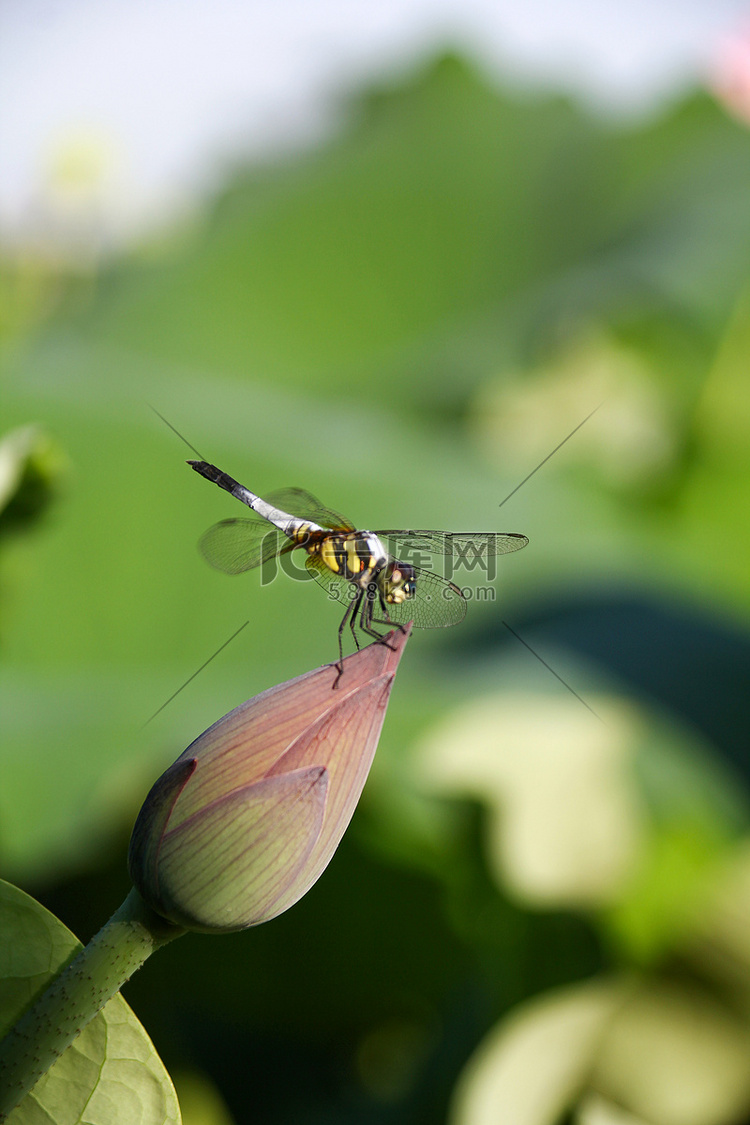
[{"x": 249, "y": 816}]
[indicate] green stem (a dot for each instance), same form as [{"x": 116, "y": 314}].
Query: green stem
[{"x": 122, "y": 945}]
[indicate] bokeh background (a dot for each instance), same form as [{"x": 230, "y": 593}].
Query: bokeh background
[{"x": 395, "y": 257}]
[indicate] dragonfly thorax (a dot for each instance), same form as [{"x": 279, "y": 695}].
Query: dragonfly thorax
[
  {"x": 357, "y": 556},
  {"x": 361, "y": 568}
]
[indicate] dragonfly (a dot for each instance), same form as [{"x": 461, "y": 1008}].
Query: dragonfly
[{"x": 360, "y": 567}]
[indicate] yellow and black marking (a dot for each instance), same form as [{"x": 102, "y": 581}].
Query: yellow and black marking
[
  {"x": 348, "y": 555},
  {"x": 301, "y": 534},
  {"x": 384, "y": 590}
]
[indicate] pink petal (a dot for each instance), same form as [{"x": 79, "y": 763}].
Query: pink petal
[
  {"x": 344, "y": 740},
  {"x": 227, "y": 866},
  {"x": 243, "y": 746}
]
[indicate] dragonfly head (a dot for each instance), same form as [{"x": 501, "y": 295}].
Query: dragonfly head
[{"x": 399, "y": 582}]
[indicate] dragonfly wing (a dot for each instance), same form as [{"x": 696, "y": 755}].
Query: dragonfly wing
[
  {"x": 436, "y": 604},
  {"x": 498, "y": 542},
  {"x": 238, "y": 545},
  {"x": 298, "y": 502},
  {"x": 467, "y": 545},
  {"x": 339, "y": 589}
]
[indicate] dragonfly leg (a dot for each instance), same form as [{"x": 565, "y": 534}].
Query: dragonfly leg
[
  {"x": 366, "y": 618},
  {"x": 348, "y": 619},
  {"x": 353, "y": 618},
  {"x": 386, "y": 619},
  {"x": 391, "y": 624}
]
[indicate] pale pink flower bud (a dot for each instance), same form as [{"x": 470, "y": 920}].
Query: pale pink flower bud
[{"x": 249, "y": 816}]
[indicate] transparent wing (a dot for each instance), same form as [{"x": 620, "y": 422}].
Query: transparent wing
[
  {"x": 467, "y": 545},
  {"x": 436, "y": 604},
  {"x": 298, "y": 502},
  {"x": 339, "y": 589},
  {"x": 238, "y": 545}
]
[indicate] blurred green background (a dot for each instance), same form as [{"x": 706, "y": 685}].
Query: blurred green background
[{"x": 406, "y": 320}]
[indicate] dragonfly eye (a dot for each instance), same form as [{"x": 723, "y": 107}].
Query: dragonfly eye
[{"x": 401, "y": 582}]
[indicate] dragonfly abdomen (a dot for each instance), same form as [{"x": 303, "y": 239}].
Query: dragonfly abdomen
[{"x": 286, "y": 523}]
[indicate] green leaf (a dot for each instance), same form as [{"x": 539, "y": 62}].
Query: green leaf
[
  {"x": 111, "y": 1075},
  {"x": 565, "y": 824},
  {"x": 30, "y": 465},
  {"x": 620, "y": 1052},
  {"x": 596, "y": 1111},
  {"x": 532, "y": 1067},
  {"x": 675, "y": 1053},
  {"x": 451, "y": 234}
]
